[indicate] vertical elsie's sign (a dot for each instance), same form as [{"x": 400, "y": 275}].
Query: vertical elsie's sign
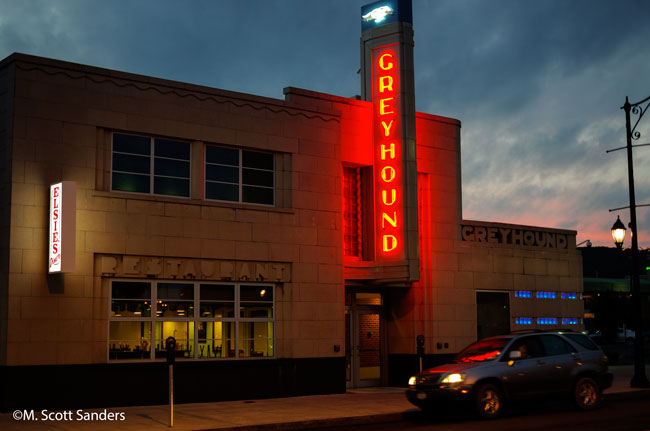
[
  {"x": 62, "y": 234},
  {"x": 388, "y": 151}
]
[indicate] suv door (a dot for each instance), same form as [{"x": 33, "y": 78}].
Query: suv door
[
  {"x": 561, "y": 359},
  {"x": 525, "y": 376}
]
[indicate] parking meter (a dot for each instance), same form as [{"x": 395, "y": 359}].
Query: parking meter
[
  {"x": 420, "y": 342},
  {"x": 170, "y": 345}
]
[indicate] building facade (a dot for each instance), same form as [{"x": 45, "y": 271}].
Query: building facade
[{"x": 291, "y": 247}]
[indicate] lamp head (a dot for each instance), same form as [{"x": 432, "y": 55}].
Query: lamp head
[{"x": 618, "y": 233}]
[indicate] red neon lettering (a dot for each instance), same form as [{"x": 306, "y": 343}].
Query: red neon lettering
[
  {"x": 391, "y": 221},
  {"x": 55, "y": 214},
  {"x": 391, "y": 174},
  {"x": 390, "y": 151},
  {"x": 393, "y": 196},
  {"x": 384, "y": 66},
  {"x": 387, "y": 149},
  {"x": 387, "y": 127},
  {"x": 385, "y": 83},
  {"x": 389, "y": 243},
  {"x": 55, "y": 192},
  {"x": 384, "y": 104}
]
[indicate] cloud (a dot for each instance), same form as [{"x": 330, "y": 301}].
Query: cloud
[
  {"x": 538, "y": 88},
  {"x": 537, "y": 85}
]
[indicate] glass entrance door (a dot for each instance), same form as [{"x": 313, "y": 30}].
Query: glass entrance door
[{"x": 363, "y": 324}]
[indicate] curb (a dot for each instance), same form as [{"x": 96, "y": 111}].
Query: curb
[{"x": 316, "y": 423}]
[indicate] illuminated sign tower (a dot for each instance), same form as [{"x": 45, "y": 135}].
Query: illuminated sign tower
[{"x": 387, "y": 80}]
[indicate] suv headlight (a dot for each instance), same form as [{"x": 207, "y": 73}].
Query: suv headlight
[
  {"x": 412, "y": 381},
  {"x": 454, "y": 378}
]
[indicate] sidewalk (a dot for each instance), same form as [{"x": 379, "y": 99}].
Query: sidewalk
[{"x": 360, "y": 406}]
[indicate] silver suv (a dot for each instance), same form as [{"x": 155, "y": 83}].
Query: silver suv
[{"x": 493, "y": 370}]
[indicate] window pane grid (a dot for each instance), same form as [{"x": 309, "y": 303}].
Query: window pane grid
[
  {"x": 169, "y": 176},
  {"x": 255, "y": 175},
  {"x": 130, "y": 173},
  {"x": 164, "y": 164},
  {"x": 221, "y": 182},
  {"x": 198, "y": 336},
  {"x": 144, "y": 156}
]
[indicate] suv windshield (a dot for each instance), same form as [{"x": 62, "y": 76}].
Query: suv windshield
[{"x": 483, "y": 350}]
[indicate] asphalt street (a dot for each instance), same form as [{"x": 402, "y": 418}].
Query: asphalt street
[{"x": 631, "y": 415}]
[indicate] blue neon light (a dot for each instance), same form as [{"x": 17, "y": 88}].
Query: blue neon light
[
  {"x": 569, "y": 321},
  {"x": 524, "y": 321},
  {"x": 523, "y": 294},
  {"x": 569, "y": 296},
  {"x": 547, "y": 295},
  {"x": 546, "y": 321}
]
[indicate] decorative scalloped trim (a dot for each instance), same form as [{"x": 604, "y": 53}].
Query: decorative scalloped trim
[{"x": 176, "y": 92}]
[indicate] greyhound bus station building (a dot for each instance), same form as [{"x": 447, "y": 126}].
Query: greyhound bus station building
[{"x": 291, "y": 247}]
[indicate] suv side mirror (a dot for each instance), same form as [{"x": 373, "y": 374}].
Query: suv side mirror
[{"x": 515, "y": 354}]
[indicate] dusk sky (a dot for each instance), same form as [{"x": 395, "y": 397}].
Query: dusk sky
[{"x": 537, "y": 85}]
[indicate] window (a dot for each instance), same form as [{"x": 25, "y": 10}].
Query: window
[
  {"x": 352, "y": 213},
  {"x": 532, "y": 347},
  {"x": 142, "y": 164},
  {"x": 239, "y": 175},
  {"x": 582, "y": 340},
  {"x": 554, "y": 345},
  {"x": 208, "y": 320}
]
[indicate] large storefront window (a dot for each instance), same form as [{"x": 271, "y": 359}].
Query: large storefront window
[{"x": 233, "y": 320}]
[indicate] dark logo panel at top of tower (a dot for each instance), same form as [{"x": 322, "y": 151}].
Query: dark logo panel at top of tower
[{"x": 384, "y": 12}]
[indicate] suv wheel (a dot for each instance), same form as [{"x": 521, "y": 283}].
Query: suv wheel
[
  {"x": 488, "y": 401},
  {"x": 586, "y": 394}
]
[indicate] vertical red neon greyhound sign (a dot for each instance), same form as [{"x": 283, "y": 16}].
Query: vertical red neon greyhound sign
[{"x": 388, "y": 151}]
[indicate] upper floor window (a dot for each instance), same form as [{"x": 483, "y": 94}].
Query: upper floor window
[
  {"x": 142, "y": 164},
  {"x": 239, "y": 175}
]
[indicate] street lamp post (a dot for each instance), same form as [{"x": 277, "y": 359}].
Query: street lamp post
[{"x": 639, "y": 380}]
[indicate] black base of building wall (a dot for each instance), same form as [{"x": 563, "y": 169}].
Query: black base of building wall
[
  {"x": 402, "y": 367},
  {"x": 129, "y": 384}
]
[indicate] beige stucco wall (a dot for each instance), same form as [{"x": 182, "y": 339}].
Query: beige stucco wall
[{"x": 63, "y": 113}]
